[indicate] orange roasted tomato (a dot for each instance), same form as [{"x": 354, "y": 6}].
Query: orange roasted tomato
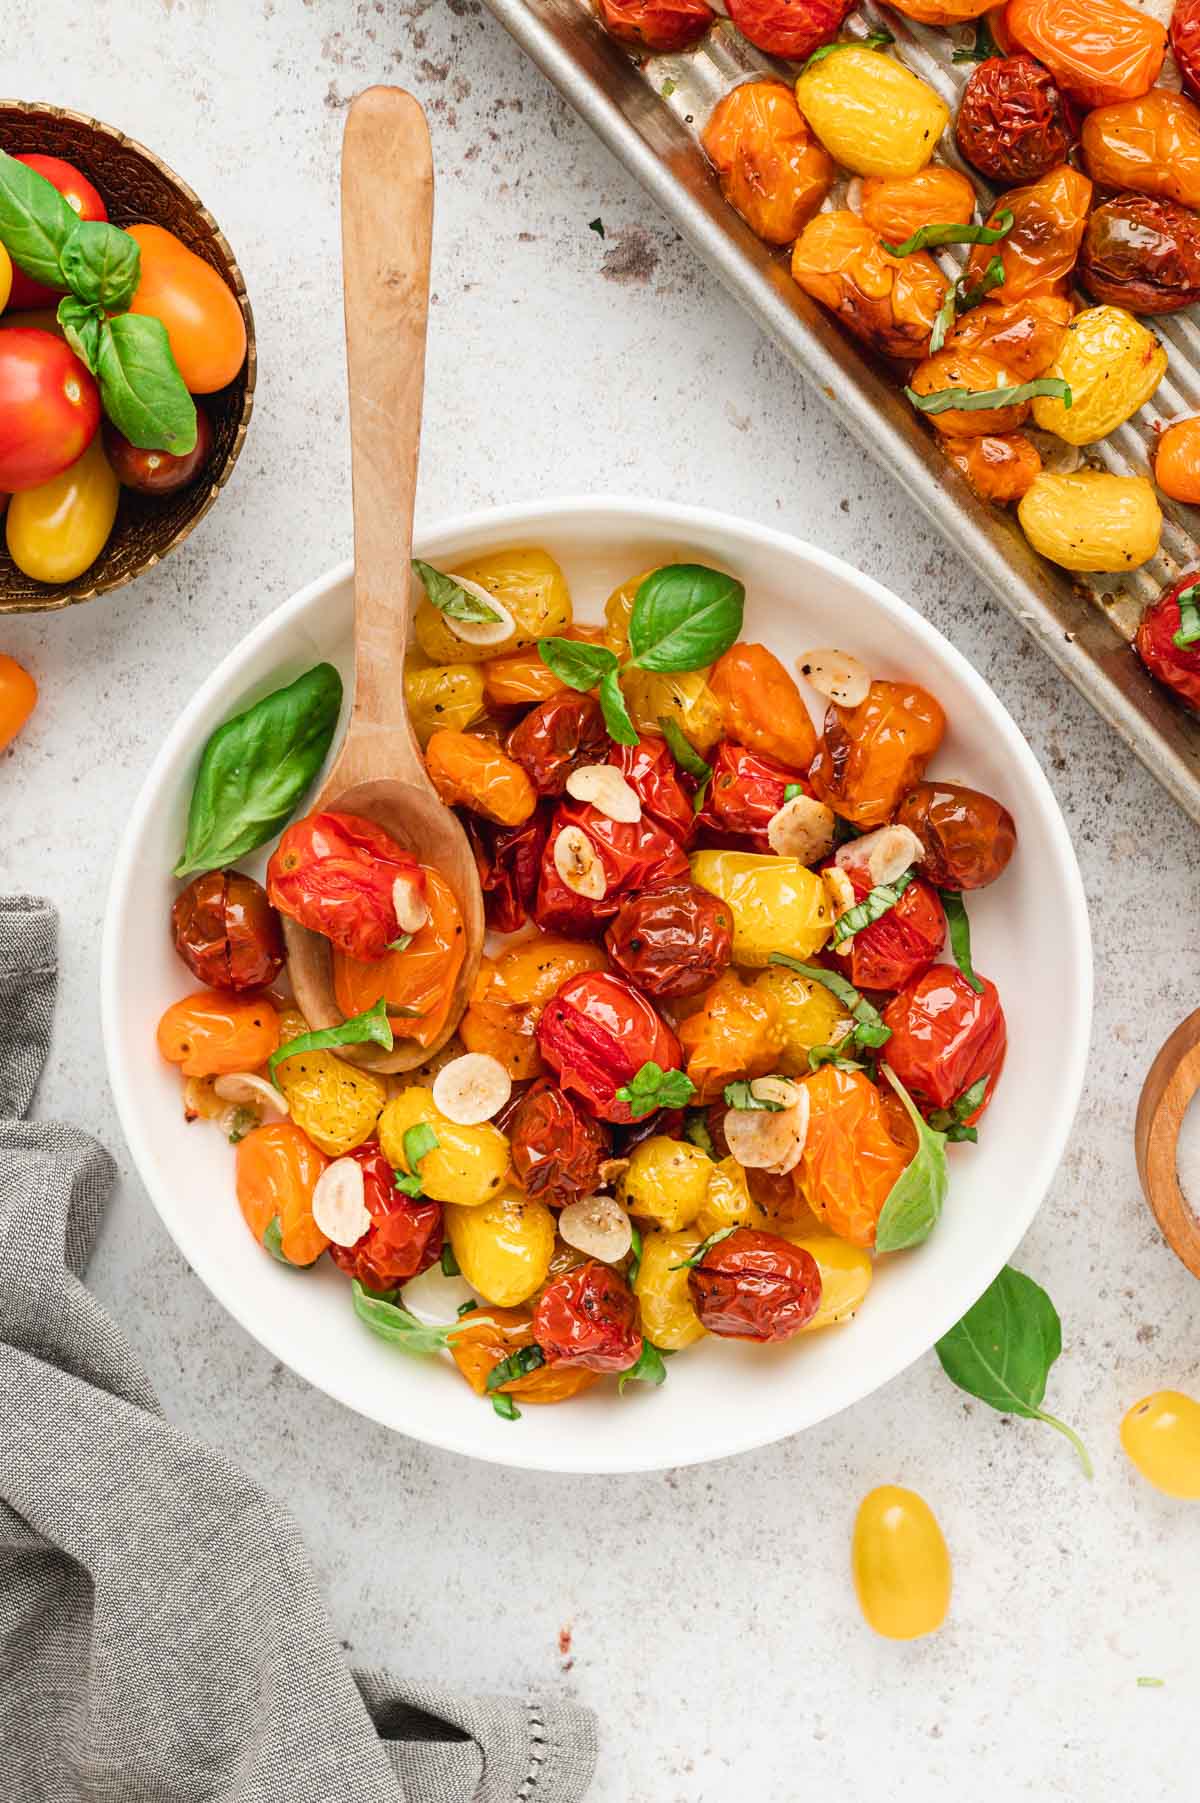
[
  {"x": 1039, "y": 251},
  {"x": 1176, "y": 462},
  {"x": 968, "y": 836},
  {"x": 520, "y": 678},
  {"x": 336, "y": 874},
  {"x": 999, "y": 469},
  {"x": 942, "y": 12},
  {"x": 1098, "y": 51},
  {"x": 761, "y": 706},
  {"x": 277, "y": 1171},
  {"x": 203, "y": 319},
  {"x": 771, "y": 168},
  {"x": 1151, "y": 146},
  {"x": 1025, "y": 338},
  {"x": 896, "y": 206},
  {"x": 489, "y": 1334},
  {"x": 734, "y": 1033},
  {"x": 976, "y": 371},
  {"x": 417, "y": 980},
  {"x": 871, "y": 754},
  {"x": 889, "y": 302},
  {"x": 208, "y": 1034},
  {"x": 470, "y": 771},
  {"x": 510, "y": 992},
  {"x": 850, "y": 1161}
]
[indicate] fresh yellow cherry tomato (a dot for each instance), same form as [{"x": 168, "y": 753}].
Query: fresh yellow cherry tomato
[
  {"x": 56, "y": 530},
  {"x": 1161, "y": 1434},
  {"x": 901, "y": 1564}
]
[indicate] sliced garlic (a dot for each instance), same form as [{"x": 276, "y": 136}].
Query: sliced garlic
[
  {"x": 761, "y": 1140},
  {"x": 471, "y": 1089},
  {"x": 836, "y": 675},
  {"x": 598, "y": 1227},
  {"x": 780, "y": 1090},
  {"x": 253, "y": 1092},
  {"x": 802, "y": 828},
  {"x": 839, "y": 889},
  {"x": 854, "y": 194},
  {"x": 886, "y": 854},
  {"x": 579, "y": 865},
  {"x": 338, "y": 1205},
  {"x": 412, "y": 911},
  {"x": 606, "y": 789},
  {"x": 612, "y": 1168},
  {"x": 481, "y": 632}
]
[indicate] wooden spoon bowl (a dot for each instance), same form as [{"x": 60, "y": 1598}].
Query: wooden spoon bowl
[
  {"x": 387, "y": 228},
  {"x": 1171, "y": 1082}
]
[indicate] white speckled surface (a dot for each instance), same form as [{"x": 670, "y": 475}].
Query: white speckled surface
[{"x": 712, "y": 1620}]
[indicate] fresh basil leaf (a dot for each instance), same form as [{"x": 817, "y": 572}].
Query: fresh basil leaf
[
  {"x": 35, "y": 221},
  {"x": 102, "y": 264},
  {"x": 653, "y": 1087},
  {"x": 714, "y": 1239},
  {"x": 959, "y": 928},
  {"x": 1002, "y": 1350},
  {"x": 369, "y": 1028},
  {"x": 518, "y": 1364},
  {"x": 1189, "y": 617},
  {"x": 616, "y": 715},
  {"x": 982, "y": 49},
  {"x": 256, "y": 767},
  {"x": 576, "y": 662},
  {"x": 141, "y": 388},
  {"x": 506, "y": 1408},
  {"x": 396, "y": 1325},
  {"x": 967, "y": 400},
  {"x": 914, "y": 1203},
  {"x": 419, "y": 1140},
  {"x": 684, "y": 616},
  {"x": 868, "y": 1022},
  {"x": 449, "y": 597},
  {"x": 273, "y": 1243},
  {"x": 835, "y": 1055},
  {"x": 873, "y": 906},
  {"x": 450, "y": 1265},
  {"x": 685, "y": 755},
  {"x": 695, "y": 1131},
  {"x": 791, "y": 790},
  {"x": 635, "y": 1263},
  {"x": 651, "y": 1368},
  {"x": 81, "y": 324},
  {"x": 874, "y": 40},
  {"x": 741, "y": 1095},
  {"x": 927, "y": 236}
]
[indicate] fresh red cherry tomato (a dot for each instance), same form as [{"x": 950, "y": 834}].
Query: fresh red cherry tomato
[
  {"x": 755, "y": 1286},
  {"x": 596, "y": 1031},
  {"x": 634, "y": 856},
  {"x": 589, "y": 1317},
  {"x": 508, "y": 859},
  {"x": 226, "y": 931},
  {"x": 791, "y": 28},
  {"x": 78, "y": 193},
  {"x": 556, "y": 1148},
  {"x": 898, "y": 947},
  {"x": 157, "y": 472},
  {"x": 1175, "y": 665},
  {"x": 945, "y": 1037},
  {"x": 405, "y": 1235},
  {"x": 674, "y": 939},
  {"x": 657, "y": 24},
  {"x": 653, "y": 775},
  {"x": 745, "y": 793},
  {"x": 335, "y": 874},
  {"x": 49, "y": 408}
]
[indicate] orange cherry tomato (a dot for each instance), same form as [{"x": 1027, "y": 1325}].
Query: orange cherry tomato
[
  {"x": 1099, "y": 51},
  {"x": 941, "y": 12},
  {"x": 1151, "y": 145},
  {"x": 889, "y": 302},
  {"x": 896, "y": 206},
  {"x": 1176, "y": 463},
  {"x": 872, "y": 754},
  {"x": 771, "y": 167},
  {"x": 999, "y": 468},
  {"x": 762, "y": 707},
  {"x": 1025, "y": 338},
  {"x": 277, "y": 1171},
  {"x": 472, "y": 772},
  {"x": 1039, "y": 252},
  {"x": 520, "y": 678},
  {"x": 421, "y": 977},
  {"x": 977, "y": 372},
  {"x": 18, "y": 698},
  {"x": 203, "y": 320},
  {"x": 208, "y": 1034},
  {"x": 850, "y": 1161},
  {"x": 492, "y": 1334},
  {"x": 510, "y": 992},
  {"x": 734, "y": 1032}
]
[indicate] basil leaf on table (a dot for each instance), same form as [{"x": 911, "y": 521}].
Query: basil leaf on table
[
  {"x": 1002, "y": 1350},
  {"x": 927, "y": 236},
  {"x": 959, "y": 928},
  {"x": 397, "y": 1326},
  {"x": 35, "y": 221},
  {"x": 684, "y": 753},
  {"x": 101, "y": 264},
  {"x": 81, "y": 324},
  {"x": 651, "y": 1368},
  {"x": 684, "y": 616},
  {"x": 449, "y": 597},
  {"x": 915, "y": 1200},
  {"x": 576, "y": 662},
  {"x": 143, "y": 393},
  {"x": 256, "y": 768},
  {"x": 653, "y": 1087},
  {"x": 372, "y": 1027},
  {"x": 616, "y": 715}
]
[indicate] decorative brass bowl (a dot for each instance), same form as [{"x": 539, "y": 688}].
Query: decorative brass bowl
[{"x": 138, "y": 188}]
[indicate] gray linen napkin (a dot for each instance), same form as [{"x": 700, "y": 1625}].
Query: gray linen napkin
[{"x": 162, "y": 1639}]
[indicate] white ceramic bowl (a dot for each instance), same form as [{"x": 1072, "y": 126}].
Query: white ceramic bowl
[{"x": 1030, "y": 935}]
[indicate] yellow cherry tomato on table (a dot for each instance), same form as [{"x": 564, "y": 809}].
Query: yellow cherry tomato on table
[
  {"x": 1161, "y": 1435},
  {"x": 901, "y": 1564},
  {"x": 18, "y": 698},
  {"x": 200, "y": 312},
  {"x": 56, "y": 531}
]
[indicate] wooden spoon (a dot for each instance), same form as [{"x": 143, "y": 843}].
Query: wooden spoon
[
  {"x": 1171, "y": 1082},
  {"x": 387, "y": 225}
]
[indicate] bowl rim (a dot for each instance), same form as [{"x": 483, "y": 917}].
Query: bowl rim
[
  {"x": 78, "y": 591},
  {"x": 671, "y": 519}
]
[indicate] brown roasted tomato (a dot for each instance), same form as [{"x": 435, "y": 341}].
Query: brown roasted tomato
[
  {"x": 999, "y": 467},
  {"x": 755, "y": 1286},
  {"x": 745, "y": 793},
  {"x": 405, "y": 1235},
  {"x": 1025, "y": 338},
  {"x": 1012, "y": 124},
  {"x": 889, "y": 302},
  {"x": 968, "y": 836},
  {"x": 903, "y": 943},
  {"x": 657, "y": 24},
  {"x": 487, "y": 1335},
  {"x": 335, "y": 874},
  {"x": 1039, "y": 251},
  {"x": 871, "y": 754},
  {"x": 470, "y": 771},
  {"x": 633, "y": 855},
  {"x": 227, "y": 932},
  {"x": 673, "y": 940},
  {"x": 556, "y": 737},
  {"x": 556, "y": 1148},
  {"x": 1178, "y": 666},
  {"x": 508, "y": 859},
  {"x": 945, "y": 1037},
  {"x": 588, "y": 1318},
  {"x": 1151, "y": 145},
  {"x": 789, "y": 28},
  {"x": 1143, "y": 253},
  {"x": 653, "y": 775},
  {"x": 977, "y": 372},
  {"x": 597, "y": 1031},
  {"x": 771, "y": 168}
]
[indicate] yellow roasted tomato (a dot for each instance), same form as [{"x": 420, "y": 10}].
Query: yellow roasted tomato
[
  {"x": 504, "y": 1246},
  {"x": 467, "y": 1167},
  {"x": 654, "y": 695},
  {"x": 808, "y": 1015},
  {"x": 1161, "y": 1435},
  {"x": 1112, "y": 365},
  {"x": 729, "y": 1202},
  {"x": 443, "y": 695},
  {"x": 871, "y": 113},
  {"x": 901, "y": 1564},
  {"x": 1092, "y": 520},
  {"x": 526, "y": 581},
  {"x": 846, "y": 1273},
  {"x": 778, "y": 905},
  {"x": 666, "y": 1181},
  {"x": 335, "y": 1103},
  {"x": 56, "y": 531},
  {"x": 669, "y": 1319}
]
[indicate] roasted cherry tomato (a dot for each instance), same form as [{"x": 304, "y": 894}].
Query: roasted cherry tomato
[
  {"x": 896, "y": 206},
  {"x": 226, "y": 931},
  {"x": 901, "y": 1564},
  {"x": 277, "y": 1171},
  {"x": 1177, "y": 461},
  {"x": 900, "y": 945},
  {"x": 942, "y": 12},
  {"x": 1038, "y": 254},
  {"x": 335, "y": 874},
  {"x": 789, "y": 28},
  {"x": 734, "y": 1033},
  {"x": 871, "y": 754},
  {"x": 18, "y": 698},
  {"x": 597, "y": 1032},
  {"x": 157, "y": 472},
  {"x": 1012, "y": 124},
  {"x": 556, "y": 1148},
  {"x": 490, "y": 1334},
  {"x": 891, "y": 303},
  {"x": 653, "y": 775},
  {"x": 49, "y": 408},
  {"x": 745, "y": 793},
  {"x": 761, "y": 706},
  {"x": 203, "y": 320},
  {"x": 588, "y": 1317},
  {"x": 556, "y": 737},
  {"x": 999, "y": 467},
  {"x": 81, "y": 197},
  {"x": 1151, "y": 145},
  {"x": 1185, "y": 41},
  {"x": 511, "y": 991},
  {"x": 418, "y": 979},
  {"x": 657, "y": 24},
  {"x": 770, "y": 166},
  {"x": 56, "y": 531},
  {"x": 755, "y": 1286},
  {"x": 208, "y": 1034},
  {"x": 1025, "y": 338},
  {"x": 978, "y": 372},
  {"x": 1175, "y": 665},
  {"x": 508, "y": 859},
  {"x": 1100, "y": 51},
  {"x": 945, "y": 1037},
  {"x": 405, "y": 1235},
  {"x": 520, "y": 678},
  {"x": 1143, "y": 253},
  {"x": 968, "y": 837},
  {"x": 633, "y": 856},
  {"x": 851, "y": 1161},
  {"x": 471, "y": 771},
  {"x": 672, "y": 940},
  {"x": 1161, "y": 1435}
]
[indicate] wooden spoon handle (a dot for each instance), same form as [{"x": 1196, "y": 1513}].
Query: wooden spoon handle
[
  {"x": 1171, "y": 1082},
  {"x": 387, "y": 228}
]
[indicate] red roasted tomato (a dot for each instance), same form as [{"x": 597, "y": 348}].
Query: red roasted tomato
[
  {"x": 893, "y": 950},
  {"x": 1175, "y": 665},
  {"x": 334, "y": 873},
  {"x": 226, "y": 931},
  {"x": 556, "y": 737},
  {"x": 657, "y": 24},
  {"x": 945, "y": 1037},
  {"x": 755, "y": 1286},
  {"x": 589, "y": 1317},
  {"x": 968, "y": 837},
  {"x": 745, "y": 793},
  {"x": 596, "y": 1031},
  {"x": 556, "y": 1148},
  {"x": 405, "y": 1235},
  {"x": 508, "y": 859},
  {"x": 49, "y": 408},
  {"x": 674, "y": 939},
  {"x": 1012, "y": 124},
  {"x": 1185, "y": 41},
  {"x": 80, "y": 195},
  {"x": 653, "y": 775},
  {"x": 634, "y": 857},
  {"x": 791, "y": 28}
]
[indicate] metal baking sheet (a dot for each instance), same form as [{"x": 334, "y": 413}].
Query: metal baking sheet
[{"x": 650, "y": 111}]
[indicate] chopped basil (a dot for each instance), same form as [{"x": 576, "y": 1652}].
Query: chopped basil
[
  {"x": 597, "y": 226},
  {"x": 419, "y": 1141},
  {"x": 868, "y": 1022},
  {"x": 983, "y": 48},
  {"x": 1189, "y": 617},
  {"x": 960, "y": 299},
  {"x": 451, "y": 599},
  {"x": 400, "y": 945},
  {"x": 667, "y": 89},
  {"x": 967, "y": 400},
  {"x": 927, "y": 236},
  {"x": 635, "y": 1263},
  {"x": 872, "y": 907},
  {"x": 833, "y": 1054},
  {"x": 450, "y": 1265},
  {"x": 791, "y": 790},
  {"x": 371, "y": 1027},
  {"x": 695, "y": 1131},
  {"x": 959, "y": 928},
  {"x": 273, "y": 1242},
  {"x": 874, "y": 40},
  {"x": 518, "y": 1364},
  {"x": 653, "y": 1087},
  {"x": 685, "y": 755},
  {"x": 741, "y": 1095},
  {"x": 705, "y": 1246},
  {"x": 952, "y": 1121},
  {"x": 650, "y": 1369},
  {"x": 243, "y": 1120},
  {"x": 396, "y": 1325},
  {"x": 1151, "y": 1683},
  {"x": 466, "y": 1308},
  {"x": 506, "y": 1408}
]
